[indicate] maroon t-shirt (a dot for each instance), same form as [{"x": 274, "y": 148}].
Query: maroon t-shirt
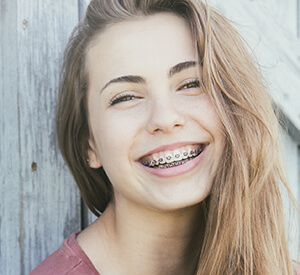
[{"x": 68, "y": 259}]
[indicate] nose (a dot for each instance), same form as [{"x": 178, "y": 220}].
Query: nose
[{"x": 165, "y": 116}]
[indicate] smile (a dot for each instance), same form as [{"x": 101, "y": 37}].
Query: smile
[{"x": 172, "y": 158}]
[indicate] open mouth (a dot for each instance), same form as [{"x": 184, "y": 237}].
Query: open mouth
[{"x": 172, "y": 158}]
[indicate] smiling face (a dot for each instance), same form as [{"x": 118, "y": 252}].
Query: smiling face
[{"x": 155, "y": 131}]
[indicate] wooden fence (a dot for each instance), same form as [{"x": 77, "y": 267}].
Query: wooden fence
[{"x": 39, "y": 202}]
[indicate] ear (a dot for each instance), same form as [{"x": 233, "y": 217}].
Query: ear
[{"x": 93, "y": 160}]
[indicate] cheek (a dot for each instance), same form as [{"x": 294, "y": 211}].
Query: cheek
[
  {"x": 114, "y": 136},
  {"x": 206, "y": 115},
  {"x": 203, "y": 110}
]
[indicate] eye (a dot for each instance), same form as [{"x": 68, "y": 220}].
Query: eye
[
  {"x": 194, "y": 83},
  {"x": 122, "y": 98}
]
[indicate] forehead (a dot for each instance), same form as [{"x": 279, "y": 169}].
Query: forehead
[{"x": 141, "y": 45}]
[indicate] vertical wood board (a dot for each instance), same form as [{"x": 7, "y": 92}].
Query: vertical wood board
[
  {"x": 82, "y": 7},
  {"x": 39, "y": 202},
  {"x": 10, "y": 247},
  {"x": 50, "y": 201}
]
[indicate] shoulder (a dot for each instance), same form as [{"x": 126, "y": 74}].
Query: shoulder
[{"x": 68, "y": 259}]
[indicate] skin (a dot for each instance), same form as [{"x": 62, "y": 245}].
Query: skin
[{"x": 154, "y": 224}]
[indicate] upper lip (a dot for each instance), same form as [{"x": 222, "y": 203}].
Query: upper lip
[{"x": 171, "y": 147}]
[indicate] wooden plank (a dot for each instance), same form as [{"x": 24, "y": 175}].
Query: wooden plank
[
  {"x": 82, "y": 7},
  {"x": 298, "y": 18},
  {"x": 10, "y": 248},
  {"x": 50, "y": 201}
]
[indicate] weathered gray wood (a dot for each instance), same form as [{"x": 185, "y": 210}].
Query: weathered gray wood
[
  {"x": 40, "y": 204},
  {"x": 298, "y": 18},
  {"x": 82, "y": 7},
  {"x": 50, "y": 203},
  {"x": 10, "y": 247}
]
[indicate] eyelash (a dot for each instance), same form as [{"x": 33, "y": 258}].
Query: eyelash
[
  {"x": 127, "y": 97},
  {"x": 121, "y": 98},
  {"x": 189, "y": 85}
]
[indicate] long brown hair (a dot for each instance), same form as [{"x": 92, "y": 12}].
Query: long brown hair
[{"x": 244, "y": 227}]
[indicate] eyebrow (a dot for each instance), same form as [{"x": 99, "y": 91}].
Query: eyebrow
[
  {"x": 140, "y": 80},
  {"x": 180, "y": 67},
  {"x": 127, "y": 78}
]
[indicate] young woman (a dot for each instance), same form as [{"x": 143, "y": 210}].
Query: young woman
[{"x": 165, "y": 123}]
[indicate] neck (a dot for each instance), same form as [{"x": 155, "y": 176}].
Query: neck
[{"x": 147, "y": 241}]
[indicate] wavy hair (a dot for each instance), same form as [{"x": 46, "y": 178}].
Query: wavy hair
[{"x": 244, "y": 222}]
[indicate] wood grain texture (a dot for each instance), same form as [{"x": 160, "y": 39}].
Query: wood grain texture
[
  {"x": 40, "y": 204},
  {"x": 10, "y": 247},
  {"x": 82, "y": 7},
  {"x": 40, "y": 50}
]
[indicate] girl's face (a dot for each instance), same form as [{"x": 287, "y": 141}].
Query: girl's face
[{"x": 155, "y": 130}]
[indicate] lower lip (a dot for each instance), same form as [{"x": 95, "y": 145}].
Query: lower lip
[{"x": 176, "y": 170}]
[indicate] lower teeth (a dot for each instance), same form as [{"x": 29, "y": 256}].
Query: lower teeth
[{"x": 176, "y": 163}]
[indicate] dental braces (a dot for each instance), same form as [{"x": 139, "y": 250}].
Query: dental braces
[{"x": 171, "y": 161}]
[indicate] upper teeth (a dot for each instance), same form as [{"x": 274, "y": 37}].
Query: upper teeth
[{"x": 172, "y": 156}]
